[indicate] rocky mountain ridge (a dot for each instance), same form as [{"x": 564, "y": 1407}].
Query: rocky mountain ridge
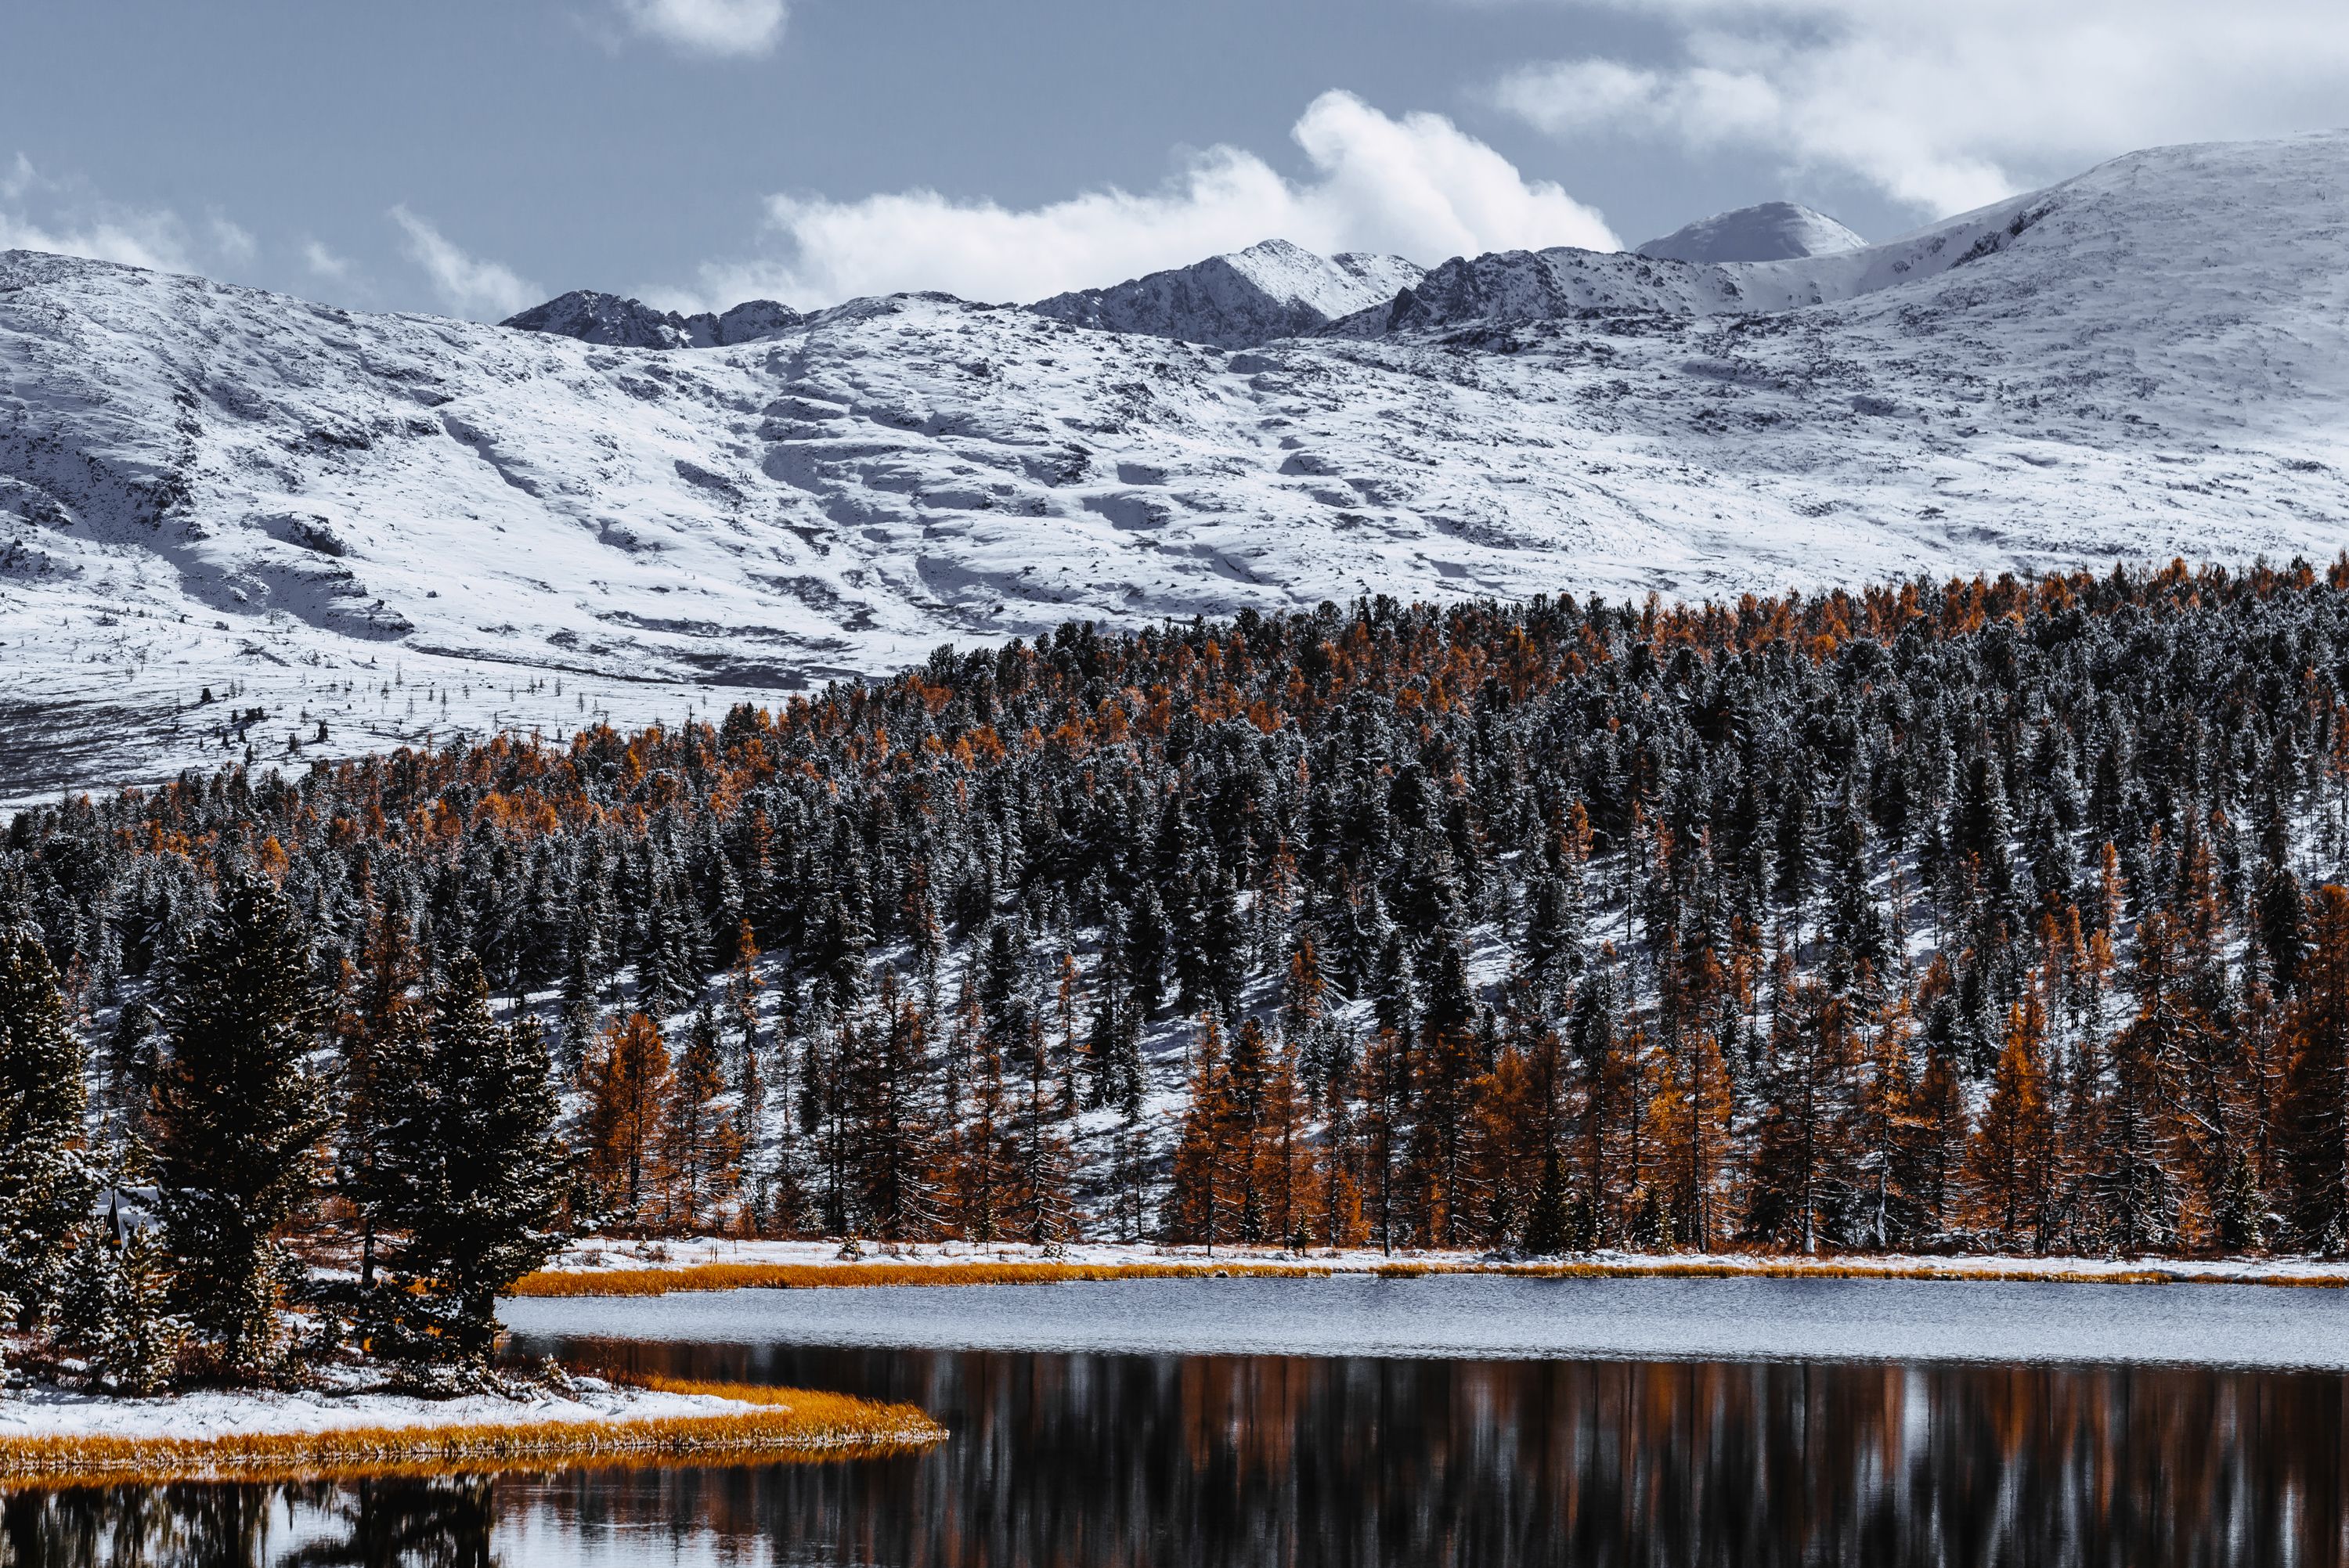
[
  {"x": 614, "y": 321},
  {"x": 1270, "y": 290}
]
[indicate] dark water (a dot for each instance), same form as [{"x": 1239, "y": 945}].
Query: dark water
[{"x": 1085, "y": 1458}]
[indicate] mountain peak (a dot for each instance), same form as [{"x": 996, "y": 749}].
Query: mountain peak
[
  {"x": 1772, "y": 232},
  {"x": 1273, "y": 289},
  {"x": 617, "y": 322}
]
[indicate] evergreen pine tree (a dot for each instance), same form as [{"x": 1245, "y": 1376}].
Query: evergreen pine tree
[
  {"x": 1800, "y": 1178},
  {"x": 46, "y": 1180},
  {"x": 472, "y": 1175},
  {"x": 897, "y": 1154},
  {"x": 114, "y": 1311},
  {"x": 239, "y": 1119},
  {"x": 380, "y": 1028}
]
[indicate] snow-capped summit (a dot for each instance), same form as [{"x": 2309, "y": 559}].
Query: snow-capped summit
[
  {"x": 1772, "y": 232},
  {"x": 1271, "y": 290},
  {"x": 592, "y": 316}
]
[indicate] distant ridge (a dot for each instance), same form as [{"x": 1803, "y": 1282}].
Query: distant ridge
[
  {"x": 1271, "y": 290},
  {"x": 593, "y": 316}
]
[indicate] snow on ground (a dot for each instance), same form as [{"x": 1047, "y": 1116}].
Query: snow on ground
[
  {"x": 41, "y": 1412},
  {"x": 402, "y": 525},
  {"x": 596, "y": 1255},
  {"x": 1772, "y": 232}
]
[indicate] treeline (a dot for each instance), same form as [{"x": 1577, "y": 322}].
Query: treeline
[{"x": 1975, "y": 914}]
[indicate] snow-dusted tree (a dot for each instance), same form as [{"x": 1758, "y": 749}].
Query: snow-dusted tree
[
  {"x": 473, "y": 1173},
  {"x": 1046, "y": 1214},
  {"x": 898, "y": 1156},
  {"x": 45, "y": 1181},
  {"x": 238, "y": 1118},
  {"x": 114, "y": 1311}
]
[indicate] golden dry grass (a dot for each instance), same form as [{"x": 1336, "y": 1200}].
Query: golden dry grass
[
  {"x": 802, "y": 1276},
  {"x": 786, "y": 1424},
  {"x": 805, "y": 1277}
]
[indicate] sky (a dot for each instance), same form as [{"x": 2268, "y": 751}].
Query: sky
[{"x": 472, "y": 157}]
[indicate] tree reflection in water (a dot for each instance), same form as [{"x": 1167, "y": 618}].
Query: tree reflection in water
[
  {"x": 440, "y": 1521},
  {"x": 1123, "y": 1460}
]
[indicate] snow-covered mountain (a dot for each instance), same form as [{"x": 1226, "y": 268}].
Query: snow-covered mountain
[
  {"x": 1505, "y": 287},
  {"x": 1772, "y": 232},
  {"x": 391, "y": 522},
  {"x": 616, "y": 321},
  {"x": 1270, "y": 290}
]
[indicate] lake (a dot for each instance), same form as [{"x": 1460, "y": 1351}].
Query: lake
[{"x": 1430, "y": 1421}]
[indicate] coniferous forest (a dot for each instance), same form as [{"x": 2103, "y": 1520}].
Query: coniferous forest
[{"x": 1978, "y": 914}]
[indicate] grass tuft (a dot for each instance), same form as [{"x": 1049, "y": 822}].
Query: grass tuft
[{"x": 786, "y": 1424}]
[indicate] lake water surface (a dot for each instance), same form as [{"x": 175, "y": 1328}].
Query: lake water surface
[{"x": 1433, "y": 1422}]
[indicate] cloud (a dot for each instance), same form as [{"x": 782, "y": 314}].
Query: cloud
[
  {"x": 149, "y": 240},
  {"x": 715, "y": 29},
  {"x": 322, "y": 263},
  {"x": 1417, "y": 185},
  {"x": 42, "y": 212},
  {"x": 1944, "y": 106},
  {"x": 466, "y": 285},
  {"x": 229, "y": 240}
]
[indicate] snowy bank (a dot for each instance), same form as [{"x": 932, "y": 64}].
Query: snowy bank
[
  {"x": 602, "y": 1267},
  {"x": 46, "y": 1432}
]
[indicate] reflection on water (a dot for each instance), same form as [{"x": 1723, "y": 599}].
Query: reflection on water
[
  {"x": 441, "y": 1522},
  {"x": 1124, "y": 1459}
]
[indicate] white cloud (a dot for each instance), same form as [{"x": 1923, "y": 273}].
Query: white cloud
[
  {"x": 229, "y": 240},
  {"x": 1947, "y": 106},
  {"x": 63, "y": 216},
  {"x": 139, "y": 241},
  {"x": 323, "y": 262},
  {"x": 710, "y": 27},
  {"x": 66, "y": 215},
  {"x": 466, "y": 285},
  {"x": 1417, "y": 185}
]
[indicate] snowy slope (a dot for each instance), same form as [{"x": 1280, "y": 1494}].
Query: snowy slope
[
  {"x": 1772, "y": 232},
  {"x": 1270, "y": 290},
  {"x": 400, "y": 523}
]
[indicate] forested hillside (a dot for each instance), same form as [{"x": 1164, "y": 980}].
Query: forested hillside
[{"x": 1992, "y": 914}]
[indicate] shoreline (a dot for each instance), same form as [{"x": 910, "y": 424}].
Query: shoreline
[
  {"x": 722, "y": 1264},
  {"x": 643, "y": 1421}
]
